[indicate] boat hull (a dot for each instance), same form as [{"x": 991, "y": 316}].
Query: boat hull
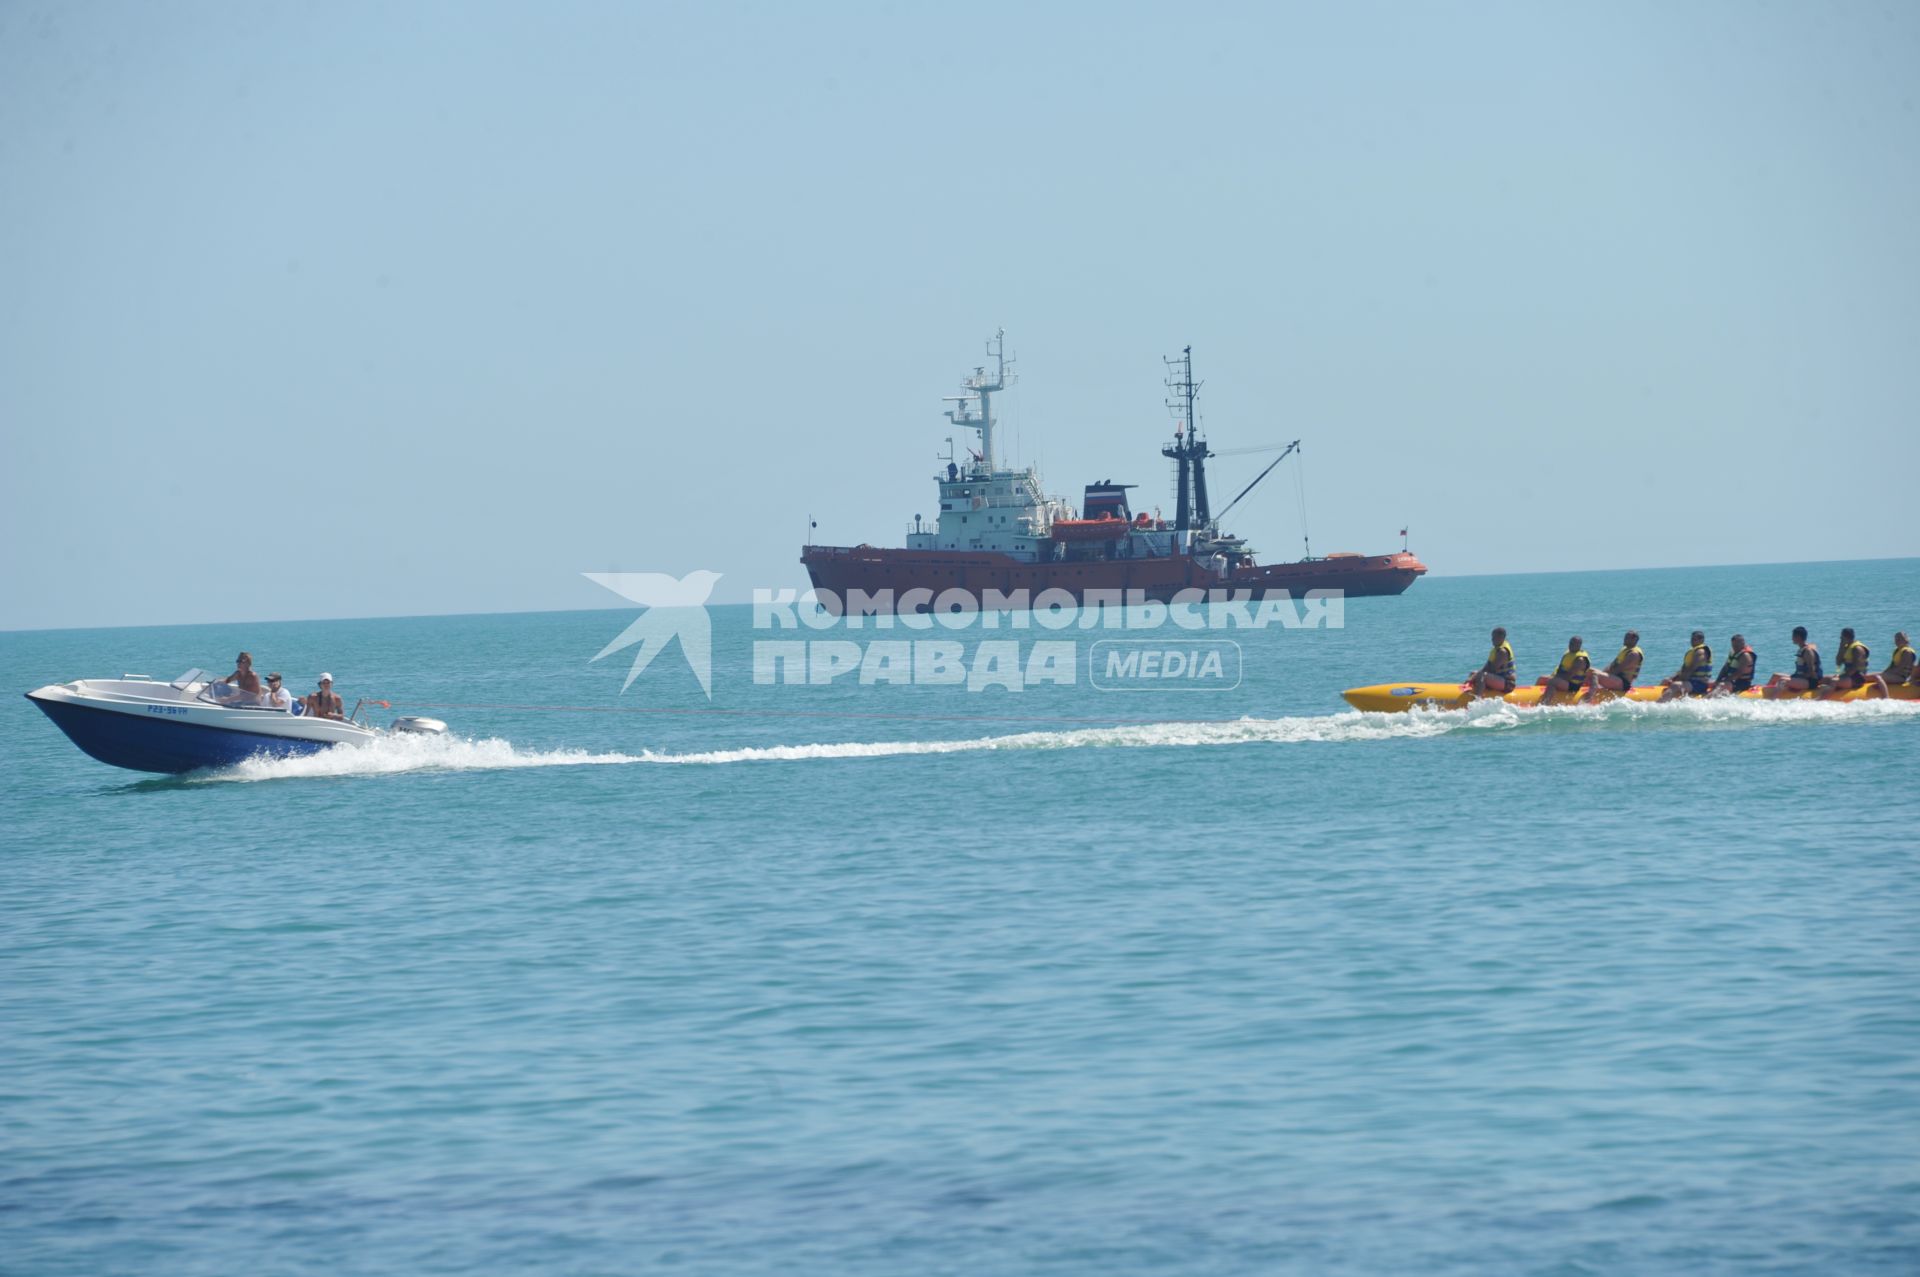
[
  {"x": 836, "y": 571},
  {"x": 1356, "y": 577},
  {"x": 1388, "y": 698},
  {"x": 157, "y": 728}
]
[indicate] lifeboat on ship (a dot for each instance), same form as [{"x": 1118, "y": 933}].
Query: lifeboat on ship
[{"x": 1102, "y": 529}]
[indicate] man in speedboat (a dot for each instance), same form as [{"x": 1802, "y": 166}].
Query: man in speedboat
[
  {"x": 1570, "y": 673},
  {"x": 1696, "y": 671},
  {"x": 1853, "y": 668},
  {"x": 1806, "y": 669},
  {"x": 1901, "y": 670},
  {"x": 279, "y": 697},
  {"x": 242, "y": 687},
  {"x": 1621, "y": 670},
  {"x": 323, "y": 702},
  {"x": 1736, "y": 675},
  {"x": 1495, "y": 678}
]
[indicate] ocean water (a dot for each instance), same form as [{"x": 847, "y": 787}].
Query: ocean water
[{"x": 884, "y": 979}]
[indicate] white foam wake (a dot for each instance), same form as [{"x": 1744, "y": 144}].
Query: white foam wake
[
  {"x": 391, "y": 755},
  {"x": 1245, "y": 731},
  {"x": 1723, "y": 711},
  {"x": 401, "y": 754}
]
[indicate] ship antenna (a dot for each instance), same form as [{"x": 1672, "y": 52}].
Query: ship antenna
[
  {"x": 975, "y": 410},
  {"x": 1185, "y": 389},
  {"x": 1188, "y": 450}
]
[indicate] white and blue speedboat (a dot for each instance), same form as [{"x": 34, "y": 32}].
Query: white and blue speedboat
[{"x": 193, "y": 722}]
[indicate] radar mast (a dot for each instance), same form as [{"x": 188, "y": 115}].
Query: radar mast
[
  {"x": 975, "y": 407},
  {"x": 1188, "y": 450}
]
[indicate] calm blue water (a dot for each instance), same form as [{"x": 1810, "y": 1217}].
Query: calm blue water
[{"x": 1631, "y": 989}]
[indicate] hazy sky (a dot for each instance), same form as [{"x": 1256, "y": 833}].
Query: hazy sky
[{"x": 354, "y": 309}]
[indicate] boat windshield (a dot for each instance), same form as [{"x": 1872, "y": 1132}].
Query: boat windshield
[{"x": 230, "y": 697}]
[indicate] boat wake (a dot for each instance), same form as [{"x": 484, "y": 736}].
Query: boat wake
[
  {"x": 407, "y": 754},
  {"x": 402, "y": 753}
]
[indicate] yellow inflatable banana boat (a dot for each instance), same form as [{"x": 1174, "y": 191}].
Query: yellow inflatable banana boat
[{"x": 1388, "y": 698}]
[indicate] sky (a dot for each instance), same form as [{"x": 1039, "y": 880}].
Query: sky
[{"x": 365, "y": 309}]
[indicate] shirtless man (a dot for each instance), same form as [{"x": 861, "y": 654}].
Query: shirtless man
[
  {"x": 245, "y": 684},
  {"x": 324, "y": 702}
]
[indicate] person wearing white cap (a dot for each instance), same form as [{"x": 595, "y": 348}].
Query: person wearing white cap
[{"x": 324, "y": 702}]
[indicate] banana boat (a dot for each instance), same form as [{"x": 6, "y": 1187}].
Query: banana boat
[{"x": 1389, "y": 698}]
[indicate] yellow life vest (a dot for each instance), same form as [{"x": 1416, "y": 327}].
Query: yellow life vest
[
  {"x": 1903, "y": 661},
  {"x": 1629, "y": 661},
  {"x": 1699, "y": 661},
  {"x": 1500, "y": 661},
  {"x": 1569, "y": 661},
  {"x": 1853, "y": 658}
]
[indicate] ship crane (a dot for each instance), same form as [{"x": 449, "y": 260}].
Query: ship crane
[{"x": 1289, "y": 451}]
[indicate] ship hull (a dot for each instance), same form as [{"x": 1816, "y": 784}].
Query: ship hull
[
  {"x": 1357, "y": 577},
  {"x": 891, "y": 574}
]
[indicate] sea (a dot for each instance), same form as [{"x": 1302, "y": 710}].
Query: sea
[{"x": 886, "y": 977}]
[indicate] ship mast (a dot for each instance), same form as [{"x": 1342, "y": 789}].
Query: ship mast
[
  {"x": 975, "y": 410},
  {"x": 1188, "y": 449}
]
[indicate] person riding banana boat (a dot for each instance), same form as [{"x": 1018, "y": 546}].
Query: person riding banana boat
[
  {"x": 1852, "y": 667},
  {"x": 1736, "y": 675},
  {"x": 1902, "y": 671},
  {"x": 1495, "y": 678},
  {"x": 1695, "y": 677},
  {"x": 1806, "y": 669},
  {"x": 1621, "y": 670},
  {"x": 1570, "y": 673}
]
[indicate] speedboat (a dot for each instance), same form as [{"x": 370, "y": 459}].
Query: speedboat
[
  {"x": 1394, "y": 697},
  {"x": 194, "y": 722}
]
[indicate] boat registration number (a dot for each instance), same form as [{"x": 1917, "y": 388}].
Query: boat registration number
[{"x": 166, "y": 709}]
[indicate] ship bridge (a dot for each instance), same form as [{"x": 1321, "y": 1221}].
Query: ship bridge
[{"x": 982, "y": 506}]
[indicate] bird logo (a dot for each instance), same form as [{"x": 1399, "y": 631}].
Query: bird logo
[{"x": 676, "y": 608}]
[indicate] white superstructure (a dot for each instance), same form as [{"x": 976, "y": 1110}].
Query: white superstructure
[{"x": 983, "y": 507}]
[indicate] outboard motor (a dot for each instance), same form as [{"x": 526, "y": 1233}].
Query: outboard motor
[{"x": 420, "y": 726}]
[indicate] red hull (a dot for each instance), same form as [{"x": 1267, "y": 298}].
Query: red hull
[{"x": 838, "y": 569}]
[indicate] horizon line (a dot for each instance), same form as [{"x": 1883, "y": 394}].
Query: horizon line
[{"x": 617, "y": 607}]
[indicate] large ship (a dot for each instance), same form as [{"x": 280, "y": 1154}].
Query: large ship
[{"x": 1000, "y": 536}]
